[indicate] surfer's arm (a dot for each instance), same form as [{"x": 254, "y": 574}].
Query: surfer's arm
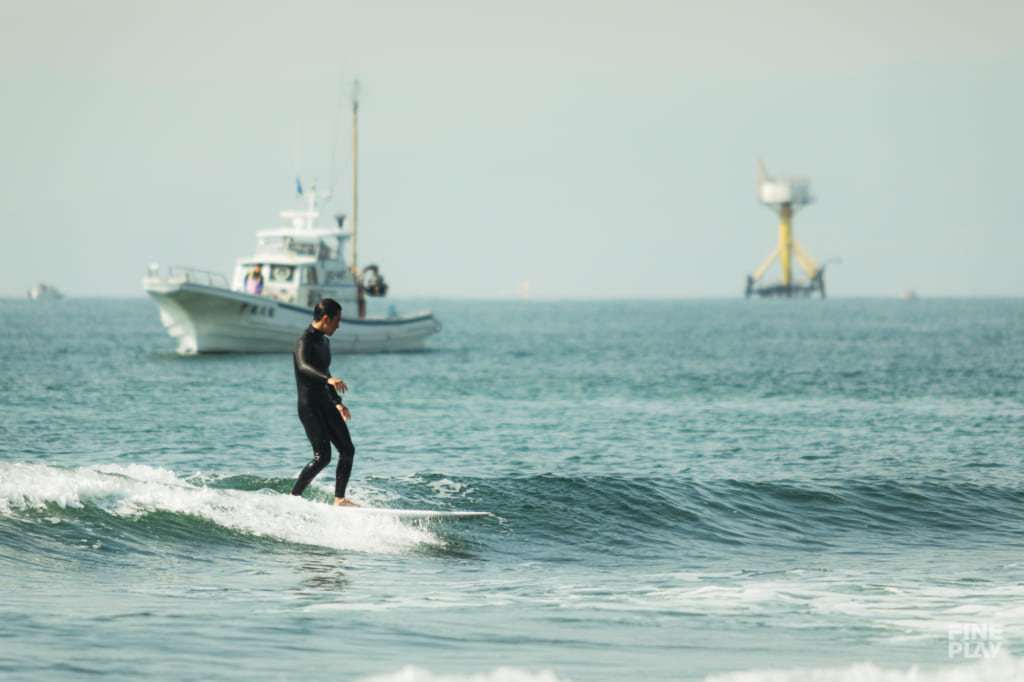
[
  {"x": 334, "y": 387},
  {"x": 304, "y": 367}
]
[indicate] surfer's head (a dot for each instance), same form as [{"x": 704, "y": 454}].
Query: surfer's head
[{"x": 327, "y": 315}]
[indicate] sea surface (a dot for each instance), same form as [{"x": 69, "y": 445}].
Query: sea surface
[{"x": 721, "y": 490}]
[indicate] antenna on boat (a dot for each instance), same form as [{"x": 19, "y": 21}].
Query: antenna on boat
[
  {"x": 355, "y": 117},
  {"x": 334, "y": 146},
  {"x": 298, "y": 170}
]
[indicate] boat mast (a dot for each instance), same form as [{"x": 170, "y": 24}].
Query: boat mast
[{"x": 355, "y": 116}]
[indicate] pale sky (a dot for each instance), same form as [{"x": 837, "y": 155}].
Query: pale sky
[{"x": 595, "y": 149}]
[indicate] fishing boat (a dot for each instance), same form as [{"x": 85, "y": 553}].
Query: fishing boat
[
  {"x": 45, "y": 292},
  {"x": 270, "y": 297}
]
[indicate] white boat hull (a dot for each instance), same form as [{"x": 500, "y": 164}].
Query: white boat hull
[{"x": 212, "y": 319}]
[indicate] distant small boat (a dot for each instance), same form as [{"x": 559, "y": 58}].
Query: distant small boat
[
  {"x": 270, "y": 299},
  {"x": 909, "y": 294},
  {"x": 45, "y": 292}
]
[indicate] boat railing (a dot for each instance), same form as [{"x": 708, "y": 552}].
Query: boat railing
[{"x": 196, "y": 276}]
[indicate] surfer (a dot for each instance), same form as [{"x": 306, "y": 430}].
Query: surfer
[{"x": 320, "y": 409}]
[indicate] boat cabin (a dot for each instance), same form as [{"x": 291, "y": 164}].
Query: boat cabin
[{"x": 298, "y": 265}]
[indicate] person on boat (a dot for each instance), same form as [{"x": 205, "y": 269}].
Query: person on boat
[
  {"x": 320, "y": 409},
  {"x": 254, "y": 281}
]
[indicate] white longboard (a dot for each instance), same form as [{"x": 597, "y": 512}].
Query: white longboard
[{"x": 414, "y": 513}]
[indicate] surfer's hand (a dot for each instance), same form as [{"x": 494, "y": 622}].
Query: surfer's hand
[
  {"x": 345, "y": 414},
  {"x": 337, "y": 384}
]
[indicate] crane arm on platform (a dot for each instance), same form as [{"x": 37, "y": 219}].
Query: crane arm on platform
[
  {"x": 805, "y": 260},
  {"x": 764, "y": 266}
]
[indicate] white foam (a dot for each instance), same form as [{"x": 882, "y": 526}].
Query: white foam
[
  {"x": 1000, "y": 669},
  {"x": 449, "y": 488},
  {"x": 136, "y": 490},
  {"x": 911, "y": 611},
  {"x": 411, "y": 673}
]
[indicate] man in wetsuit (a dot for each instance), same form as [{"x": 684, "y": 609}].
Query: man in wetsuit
[{"x": 320, "y": 408}]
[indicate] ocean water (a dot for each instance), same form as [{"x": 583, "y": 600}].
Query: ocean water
[{"x": 736, "y": 491}]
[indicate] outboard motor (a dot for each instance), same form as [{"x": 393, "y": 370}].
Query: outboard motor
[{"x": 373, "y": 281}]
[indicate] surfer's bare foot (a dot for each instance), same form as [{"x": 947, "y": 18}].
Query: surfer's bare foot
[{"x": 342, "y": 502}]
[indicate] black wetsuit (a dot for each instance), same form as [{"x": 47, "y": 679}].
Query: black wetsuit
[{"x": 318, "y": 411}]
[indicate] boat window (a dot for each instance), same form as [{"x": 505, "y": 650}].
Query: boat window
[
  {"x": 281, "y": 273},
  {"x": 311, "y": 276},
  {"x": 303, "y": 248},
  {"x": 268, "y": 245}
]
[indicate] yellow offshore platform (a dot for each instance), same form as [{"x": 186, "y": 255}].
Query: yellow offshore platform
[{"x": 785, "y": 195}]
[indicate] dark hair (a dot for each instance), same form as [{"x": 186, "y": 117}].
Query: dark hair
[{"x": 328, "y": 307}]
